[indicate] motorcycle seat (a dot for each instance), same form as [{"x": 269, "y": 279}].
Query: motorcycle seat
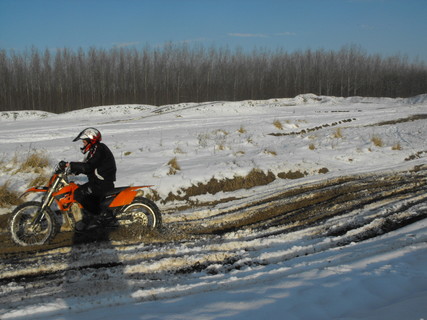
[{"x": 115, "y": 191}]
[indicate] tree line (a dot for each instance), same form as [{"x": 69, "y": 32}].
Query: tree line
[{"x": 64, "y": 79}]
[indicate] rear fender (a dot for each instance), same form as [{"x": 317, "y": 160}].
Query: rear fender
[{"x": 126, "y": 196}]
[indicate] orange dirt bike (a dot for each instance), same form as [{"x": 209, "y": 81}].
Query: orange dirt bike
[{"x": 37, "y": 222}]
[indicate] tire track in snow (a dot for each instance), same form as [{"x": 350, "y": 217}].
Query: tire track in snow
[{"x": 207, "y": 250}]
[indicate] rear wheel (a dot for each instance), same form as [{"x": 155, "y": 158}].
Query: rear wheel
[
  {"x": 142, "y": 212},
  {"x": 24, "y": 233}
]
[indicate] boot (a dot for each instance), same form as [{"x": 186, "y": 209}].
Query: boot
[
  {"x": 107, "y": 219},
  {"x": 88, "y": 222}
]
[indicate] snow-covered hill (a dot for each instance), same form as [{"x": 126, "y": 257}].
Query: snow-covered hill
[{"x": 337, "y": 231}]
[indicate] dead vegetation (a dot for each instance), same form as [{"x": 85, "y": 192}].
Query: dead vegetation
[
  {"x": 306, "y": 205},
  {"x": 396, "y": 146},
  {"x": 416, "y": 155},
  {"x": 40, "y": 180},
  {"x": 338, "y": 133},
  {"x": 174, "y": 167},
  {"x": 401, "y": 120},
  {"x": 292, "y": 175},
  {"x": 305, "y": 131},
  {"x": 278, "y": 124},
  {"x": 270, "y": 152},
  {"x": 377, "y": 141},
  {"x": 241, "y": 130},
  {"x": 34, "y": 162},
  {"x": 254, "y": 178},
  {"x": 8, "y": 197}
]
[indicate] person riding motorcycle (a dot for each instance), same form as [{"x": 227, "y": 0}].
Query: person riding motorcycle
[{"x": 100, "y": 167}]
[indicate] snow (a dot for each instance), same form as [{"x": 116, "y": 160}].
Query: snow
[{"x": 328, "y": 270}]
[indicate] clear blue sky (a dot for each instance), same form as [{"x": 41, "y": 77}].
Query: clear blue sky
[{"x": 386, "y": 27}]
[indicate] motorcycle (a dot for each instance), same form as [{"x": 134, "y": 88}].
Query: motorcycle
[{"x": 38, "y": 222}]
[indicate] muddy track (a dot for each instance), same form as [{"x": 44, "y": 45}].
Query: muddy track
[
  {"x": 313, "y": 203},
  {"x": 341, "y": 210}
]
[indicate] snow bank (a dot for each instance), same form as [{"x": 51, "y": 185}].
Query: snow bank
[{"x": 322, "y": 272}]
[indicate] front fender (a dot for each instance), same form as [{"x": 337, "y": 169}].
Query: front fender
[{"x": 34, "y": 189}]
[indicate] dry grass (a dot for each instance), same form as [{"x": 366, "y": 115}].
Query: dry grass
[
  {"x": 220, "y": 147},
  {"x": 34, "y": 162},
  {"x": 8, "y": 197},
  {"x": 239, "y": 153},
  {"x": 254, "y": 178},
  {"x": 338, "y": 133},
  {"x": 173, "y": 166},
  {"x": 323, "y": 170},
  {"x": 270, "y": 152},
  {"x": 241, "y": 130},
  {"x": 40, "y": 180},
  {"x": 417, "y": 155},
  {"x": 292, "y": 175},
  {"x": 377, "y": 141},
  {"x": 278, "y": 124},
  {"x": 312, "y": 146},
  {"x": 149, "y": 193},
  {"x": 178, "y": 150},
  {"x": 396, "y": 146},
  {"x": 221, "y": 132},
  {"x": 2, "y": 163}
]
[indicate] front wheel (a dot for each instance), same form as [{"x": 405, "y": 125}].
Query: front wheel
[
  {"x": 143, "y": 212},
  {"x": 24, "y": 232}
]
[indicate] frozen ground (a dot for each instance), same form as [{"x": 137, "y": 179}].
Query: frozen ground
[{"x": 346, "y": 240}]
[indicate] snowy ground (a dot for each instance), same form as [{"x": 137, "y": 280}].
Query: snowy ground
[{"x": 347, "y": 240}]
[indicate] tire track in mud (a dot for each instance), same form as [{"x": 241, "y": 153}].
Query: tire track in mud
[
  {"x": 299, "y": 208},
  {"x": 199, "y": 251}
]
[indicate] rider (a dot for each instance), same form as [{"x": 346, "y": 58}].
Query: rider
[{"x": 100, "y": 167}]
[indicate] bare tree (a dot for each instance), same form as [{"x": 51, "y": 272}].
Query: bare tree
[{"x": 66, "y": 80}]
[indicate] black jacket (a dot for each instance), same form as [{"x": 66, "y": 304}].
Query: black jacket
[{"x": 99, "y": 166}]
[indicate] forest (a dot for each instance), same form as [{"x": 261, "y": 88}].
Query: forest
[{"x": 62, "y": 80}]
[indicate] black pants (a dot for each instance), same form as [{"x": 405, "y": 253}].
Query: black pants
[{"x": 90, "y": 196}]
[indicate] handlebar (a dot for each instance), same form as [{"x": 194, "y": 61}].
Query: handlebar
[{"x": 61, "y": 167}]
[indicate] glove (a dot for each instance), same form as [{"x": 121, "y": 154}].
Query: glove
[
  {"x": 68, "y": 170},
  {"x": 60, "y": 167}
]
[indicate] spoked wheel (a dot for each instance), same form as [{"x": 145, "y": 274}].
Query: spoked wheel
[
  {"x": 26, "y": 233},
  {"x": 142, "y": 212}
]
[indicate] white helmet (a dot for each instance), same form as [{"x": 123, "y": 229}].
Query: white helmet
[{"x": 91, "y": 135}]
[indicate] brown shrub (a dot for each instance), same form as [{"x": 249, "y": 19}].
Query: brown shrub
[
  {"x": 173, "y": 166},
  {"x": 397, "y": 146},
  {"x": 377, "y": 141},
  {"x": 34, "y": 162},
  {"x": 8, "y": 197},
  {"x": 278, "y": 124},
  {"x": 338, "y": 133},
  {"x": 292, "y": 175},
  {"x": 40, "y": 180},
  {"x": 254, "y": 178},
  {"x": 323, "y": 170}
]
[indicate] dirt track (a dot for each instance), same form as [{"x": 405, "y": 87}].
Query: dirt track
[
  {"x": 346, "y": 209},
  {"x": 294, "y": 209}
]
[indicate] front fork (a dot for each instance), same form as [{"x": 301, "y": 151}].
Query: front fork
[{"x": 47, "y": 201}]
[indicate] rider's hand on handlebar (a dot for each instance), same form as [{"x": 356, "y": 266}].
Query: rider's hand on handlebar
[
  {"x": 67, "y": 168},
  {"x": 61, "y": 166}
]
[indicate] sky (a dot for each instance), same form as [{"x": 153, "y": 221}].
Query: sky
[{"x": 385, "y": 27}]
